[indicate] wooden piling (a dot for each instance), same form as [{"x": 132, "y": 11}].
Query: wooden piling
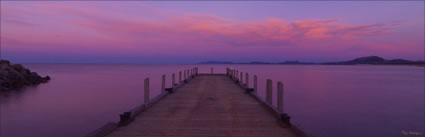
[
  {"x": 237, "y": 76},
  {"x": 180, "y": 77},
  {"x": 174, "y": 80},
  {"x": 163, "y": 83},
  {"x": 269, "y": 91},
  {"x": 241, "y": 77},
  {"x": 255, "y": 84},
  {"x": 280, "y": 97},
  {"x": 146, "y": 97},
  {"x": 227, "y": 71},
  {"x": 247, "y": 80}
]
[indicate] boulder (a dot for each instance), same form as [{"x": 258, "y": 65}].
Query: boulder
[{"x": 15, "y": 76}]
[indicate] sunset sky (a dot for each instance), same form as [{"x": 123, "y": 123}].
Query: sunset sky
[{"x": 190, "y": 32}]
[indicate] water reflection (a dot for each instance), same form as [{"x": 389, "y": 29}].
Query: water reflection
[{"x": 327, "y": 101}]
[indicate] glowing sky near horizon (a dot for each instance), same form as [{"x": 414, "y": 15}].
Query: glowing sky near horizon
[{"x": 190, "y": 32}]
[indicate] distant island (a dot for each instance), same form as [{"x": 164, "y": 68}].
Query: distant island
[
  {"x": 377, "y": 61},
  {"x": 371, "y": 60},
  {"x": 15, "y": 76}
]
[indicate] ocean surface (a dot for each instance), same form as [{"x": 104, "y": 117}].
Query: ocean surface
[{"x": 324, "y": 101}]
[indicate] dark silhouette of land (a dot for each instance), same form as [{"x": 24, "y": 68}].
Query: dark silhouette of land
[
  {"x": 15, "y": 76},
  {"x": 377, "y": 60},
  {"x": 371, "y": 60}
]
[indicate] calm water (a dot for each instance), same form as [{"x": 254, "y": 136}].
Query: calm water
[{"x": 325, "y": 101}]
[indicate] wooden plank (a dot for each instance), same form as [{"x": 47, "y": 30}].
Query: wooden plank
[{"x": 208, "y": 105}]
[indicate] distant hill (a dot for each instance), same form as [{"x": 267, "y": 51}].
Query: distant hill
[
  {"x": 376, "y": 60},
  {"x": 361, "y": 60},
  {"x": 254, "y": 62},
  {"x": 295, "y": 63},
  {"x": 216, "y": 62}
]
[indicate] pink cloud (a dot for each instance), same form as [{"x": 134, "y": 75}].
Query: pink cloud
[{"x": 92, "y": 29}]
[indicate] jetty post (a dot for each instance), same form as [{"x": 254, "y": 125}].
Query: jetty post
[
  {"x": 255, "y": 84},
  {"x": 232, "y": 73},
  {"x": 280, "y": 97},
  {"x": 180, "y": 76},
  {"x": 269, "y": 90},
  {"x": 241, "y": 77},
  {"x": 227, "y": 71},
  {"x": 163, "y": 83},
  {"x": 146, "y": 96},
  {"x": 237, "y": 76},
  {"x": 174, "y": 80},
  {"x": 246, "y": 79}
]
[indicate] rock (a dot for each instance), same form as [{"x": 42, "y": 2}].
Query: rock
[{"x": 14, "y": 76}]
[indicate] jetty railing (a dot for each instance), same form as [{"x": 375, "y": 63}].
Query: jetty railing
[
  {"x": 189, "y": 74},
  {"x": 237, "y": 77},
  {"x": 284, "y": 117},
  {"x": 128, "y": 116}
]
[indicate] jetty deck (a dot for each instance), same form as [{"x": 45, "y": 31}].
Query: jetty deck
[{"x": 205, "y": 106}]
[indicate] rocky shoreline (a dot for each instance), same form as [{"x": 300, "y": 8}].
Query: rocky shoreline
[{"x": 15, "y": 76}]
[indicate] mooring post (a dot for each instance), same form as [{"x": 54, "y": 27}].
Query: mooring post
[
  {"x": 241, "y": 77},
  {"x": 255, "y": 84},
  {"x": 280, "y": 97},
  {"x": 193, "y": 72},
  {"x": 269, "y": 90},
  {"x": 227, "y": 71},
  {"x": 180, "y": 77},
  {"x": 146, "y": 97},
  {"x": 246, "y": 79},
  {"x": 174, "y": 80},
  {"x": 163, "y": 83},
  {"x": 231, "y": 73},
  {"x": 237, "y": 76}
]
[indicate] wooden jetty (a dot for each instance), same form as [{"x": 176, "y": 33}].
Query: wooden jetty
[{"x": 205, "y": 105}]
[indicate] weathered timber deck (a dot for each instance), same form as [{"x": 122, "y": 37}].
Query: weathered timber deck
[{"x": 207, "y": 106}]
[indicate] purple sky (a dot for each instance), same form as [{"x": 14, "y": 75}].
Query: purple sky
[{"x": 190, "y": 32}]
